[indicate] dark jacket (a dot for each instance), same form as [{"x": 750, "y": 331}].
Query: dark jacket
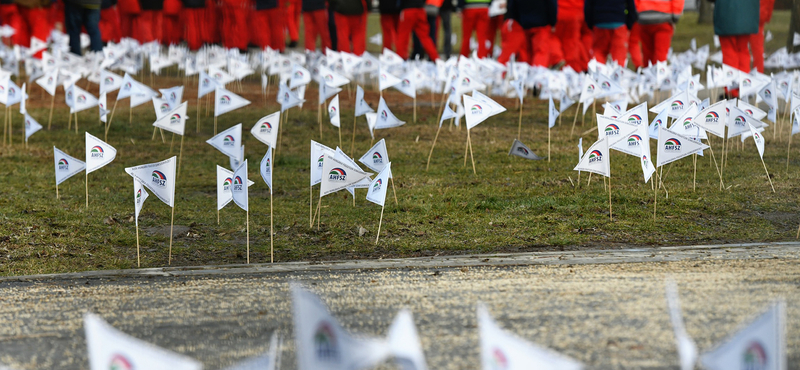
[
  {"x": 266, "y": 4},
  {"x": 313, "y": 5},
  {"x": 194, "y": 4},
  {"x": 350, "y": 7},
  {"x": 736, "y": 17},
  {"x": 389, "y": 6},
  {"x": 473, "y": 3},
  {"x": 411, "y": 4},
  {"x": 151, "y": 4},
  {"x": 533, "y": 13},
  {"x": 609, "y": 11}
]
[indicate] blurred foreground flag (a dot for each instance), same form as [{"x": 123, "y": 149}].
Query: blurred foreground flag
[
  {"x": 269, "y": 360},
  {"x": 404, "y": 342},
  {"x": 112, "y": 349},
  {"x": 321, "y": 341},
  {"x": 226, "y": 101},
  {"x": 761, "y": 345},
  {"x": 502, "y": 350}
]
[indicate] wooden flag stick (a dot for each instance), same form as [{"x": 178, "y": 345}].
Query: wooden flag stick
[
  {"x": 548, "y": 142},
  {"x": 57, "y": 196},
  {"x": 694, "y": 177},
  {"x": 155, "y": 129},
  {"x": 768, "y": 178},
  {"x": 574, "y": 120},
  {"x": 519, "y": 126},
  {"x": 353, "y": 142},
  {"x": 319, "y": 120},
  {"x": 130, "y": 115},
  {"x": 69, "y": 122},
  {"x": 247, "y": 227},
  {"x": 87, "y": 189},
  {"x": 719, "y": 172},
  {"x": 217, "y": 216},
  {"x": 171, "y": 225},
  {"x": 76, "y": 122},
  {"x": 197, "y": 120},
  {"x": 215, "y": 125},
  {"x": 208, "y": 97},
  {"x": 271, "y": 231},
  {"x": 180, "y": 155},
  {"x": 415, "y": 108},
  {"x": 655, "y": 196},
  {"x": 171, "y": 143},
  {"x": 378, "y": 237},
  {"x": 441, "y": 106},
  {"x": 280, "y": 130},
  {"x": 393, "y": 191},
  {"x": 138, "y": 263},
  {"x": 471, "y": 155},
  {"x": 310, "y": 207},
  {"x": 432, "y": 146},
  {"x": 788, "y": 151},
  {"x": 52, "y": 104},
  {"x": 340, "y": 135},
  {"x": 466, "y": 149},
  {"x": 108, "y": 121},
  {"x": 319, "y": 210},
  {"x": 5, "y": 127},
  {"x": 610, "y": 215}
]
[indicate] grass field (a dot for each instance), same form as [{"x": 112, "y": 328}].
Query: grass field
[{"x": 510, "y": 205}]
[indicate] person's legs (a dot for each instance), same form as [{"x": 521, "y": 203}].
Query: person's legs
[
  {"x": 332, "y": 30},
  {"x": 342, "y": 33},
  {"x": 407, "y": 18},
  {"x": 757, "y": 47},
  {"x": 635, "y": 47},
  {"x": 389, "y": 30},
  {"x": 662, "y": 40},
  {"x": 293, "y": 20},
  {"x": 358, "y": 31},
  {"x": 191, "y": 28},
  {"x": 422, "y": 30},
  {"x": 73, "y": 21},
  {"x": 646, "y": 36},
  {"x": 601, "y": 45},
  {"x": 91, "y": 20},
  {"x": 587, "y": 39},
  {"x": 618, "y": 46},
  {"x": 275, "y": 17},
  {"x": 320, "y": 19},
  {"x": 468, "y": 22},
  {"x": 491, "y": 31},
  {"x": 262, "y": 35},
  {"x": 744, "y": 53},
  {"x": 554, "y": 49},
  {"x": 539, "y": 43},
  {"x": 569, "y": 33},
  {"x": 447, "y": 31},
  {"x": 730, "y": 55},
  {"x": 513, "y": 41},
  {"x": 481, "y": 27},
  {"x": 310, "y": 41}
]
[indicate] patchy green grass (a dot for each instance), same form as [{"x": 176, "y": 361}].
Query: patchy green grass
[{"x": 510, "y": 205}]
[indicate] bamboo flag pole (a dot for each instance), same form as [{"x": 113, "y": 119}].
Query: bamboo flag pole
[
  {"x": 197, "y": 122},
  {"x": 519, "y": 126},
  {"x": 574, "y": 120},
  {"x": 76, "y": 122},
  {"x": 353, "y": 142},
  {"x": 52, "y": 104},
  {"x": 471, "y": 155},
  {"x": 280, "y": 130},
  {"x": 87, "y": 189},
  {"x": 311, "y": 206},
  {"x": 108, "y": 122},
  {"x": 5, "y": 127},
  {"x": 180, "y": 155},
  {"x": 215, "y": 125},
  {"x": 610, "y": 215},
  {"x": 415, "y": 108},
  {"x": 432, "y": 146},
  {"x": 694, "y": 177},
  {"x": 171, "y": 225},
  {"x": 138, "y": 263},
  {"x": 655, "y": 197},
  {"x": 548, "y": 142},
  {"x": 130, "y": 115},
  {"x": 378, "y": 237},
  {"x": 787, "y": 152},
  {"x": 768, "y": 178},
  {"x": 719, "y": 172},
  {"x": 69, "y": 122},
  {"x": 391, "y": 179},
  {"x": 271, "y": 229},
  {"x": 248, "y": 234},
  {"x": 57, "y": 196},
  {"x": 319, "y": 210},
  {"x": 340, "y": 135}
]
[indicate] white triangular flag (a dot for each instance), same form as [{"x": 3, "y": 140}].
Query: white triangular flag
[
  {"x": 65, "y": 165},
  {"x": 287, "y": 98},
  {"x": 404, "y": 342},
  {"x": 565, "y": 102},
  {"x": 447, "y": 114},
  {"x": 22, "y": 107},
  {"x": 647, "y": 163},
  {"x": 503, "y": 350},
  {"x": 770, "y": 96},
  {"x": 615, "y": 130},
  {"x": 158, "y": 177},
  {"x": 372, "y": 120},
  {"x": 162, "y": 107},
  {"x": 376, "y": 192},
  {"x": 672, "y": 146},
  {"x": 322, "y": 343},
  {"x": 300, "y": 76},
  {"x": 318, "y": 152},
  {"x": 595, "y": 159},
  {"x": 519, "y": 87},
  {"x": 143, "y": 95},
  {"x": 98, "y": 153},
  {"x": 331, "y": 78},
  {"x": 361, "y": 105},
  {"x": 684, "y": 124},
  {"x": 408, "y": 84},
  {"x": 128, "y": 88},
  {"x": 266, "y": 129},
  {"x": 588, "y": 92},
  {"x": 337, "y": 175},
  {"x": 687, "y": 350},
  {"x": 376, "y": 158},
  {"x": 553, "y": 113},
  {"x": 333, "y": 111},
  {"x": 713, "y": 118},
  {"x": 31, "y": 126},
  {"x": 173, "y": 95},
  {"x": 325, "y": 92},
  {"x": 760, "y": 345},
  {"x": 239, "y": 187},
  {"x": 102, "y": 104},
  {"x": 109, "y": 348},
  {"x": 226, "y": 101},
  {"x": 221, "y": 77},
  {"x": 49, "y": 82},
  {"x": 269, "y": 360},
  {"x": 660, "y": 120},
  {"x": 520, "y": 150},
  {"x": 266, "y": 168},
  {"x": 109, "y": 81},
  {"x": 206, "y": 84},
  {"x": 139, "y": 196},
  {"x": 759, "y": 139},
  {"x": 386, "y": 79},
  {"x": 386, "y": 119},
  {"x": 224, "y": 183},
  {"x": 738, "y": 122},
  {"x": 750, "y": 109},
  {"x": 229, "y": 142},
  {"x": 477, "y": 112},
  {"x": 675, "y": 105},
  {"x": 174, "y": 121}
]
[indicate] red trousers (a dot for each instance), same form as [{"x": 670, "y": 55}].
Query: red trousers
[
  {"x": 612, "y": 41},
  {"x": 474, "y": 19},
  {"x": 635, "y": 46},
  {"x": 757, "y": 47},
  {"x": 351, "y": 29},
  {"x": 656, "y": 40},
  {"x": 193, "y": 19},
  {"x": 315, "y": 24},
  {"x": 147, "y": 26},
  {"x": 514, "y": 37},
  {"x": 235, "y": 28},
  {"x": 10, "y": 16},
  {"x": 389, "y": 25},
  {"x": 36, "y": 22},
  {"x": 268, "y": 29},
  {"x": 491, "y": 31},
  {"x": 293, "y": 8},
  {"x": 211, "y": 29},
  {"x": 173, "y": 29},
  {"x": 109, "y": 25},
  {"x": 556, "y": 55},
  {"x": 587, "y": 39},
  {"x": 540, "y": 41},
  {"x": 735, "y": 52},
  {"x": 575, "y": 54},
  {"x": 415, "y": 20},
  {"x": 126, "y": 22}
]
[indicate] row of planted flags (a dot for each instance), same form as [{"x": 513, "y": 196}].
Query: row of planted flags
[{"x": 322, "y": 343}]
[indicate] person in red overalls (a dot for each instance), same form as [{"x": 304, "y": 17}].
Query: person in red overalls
[
  {"x": 351, "y": 24},
  {"x": 757, "y": 40},
  {"x": 514, "y": 42},
  {"x": 34, "y": 22},
  {"x": 293, "y": 8},
  {"x": 610, "y": 20},
  {"x": 414, "y": 17},
  {"x": 635, "y": 46},
  {"x": 537, "y": 18},
  {"x": 657, "y": 20},
  {"x": 173, "y": 24},
  {"x": 194, "y": 18},
  {"x": 109, "y": 21},
  {"x": 474, "y": 17},
  {"x": 271, "y": 20},
  {"x": 315, "y": 24},
  {"x": 495, "y": 23},
  {"x": 390, "y": 22},
  {"x": 568, "y": 31},
  {"x": 148, "y": 25}
]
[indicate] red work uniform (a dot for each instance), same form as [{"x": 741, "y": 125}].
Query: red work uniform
[
  {"x": 194, "y": 19},
  {"x": 414, "y": 18},
  {"x": 568, "y": 31},
  {"x": 656, "y": 26},
  {"x": 293, "y": 8},
  {"x": 757, "y": 40},
  {"x": 474, "y": 17},
  {"x": 390, "y": 22},
  {"x": 315, "y": 24},
  {"x": 172, "y": 22},
  {"x": 351, "y": 25},
  {"x": 270, "y": 19}
]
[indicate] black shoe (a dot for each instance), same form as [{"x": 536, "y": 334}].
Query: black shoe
[{"x": 292, "y": 44}]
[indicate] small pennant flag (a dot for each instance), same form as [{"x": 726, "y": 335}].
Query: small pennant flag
[
  {"x": 31, "y": 126},
  {"x": 672, "y": 146},
  {"x": 266, "y": 129},
  {"x": 98, "y": 153},
  {"x": 109, "y": 348},
  {"x": 447, "y": 114},
  {"x": 647, "y": 163},
  {"x": 173, "y": 95},
  {"x": 344, "y": 158},
  {"x": 759, "y": 139},
  {"x": 266, "y": 361},
  {"x": 660, "y": 120},
  {"x": 565, "y": 102},
  {"x": 615, "y": 130},
  {"x": 162, "y": 107},
  {"x": 22, "y": 108},
  {"x": 322, "y": 343},
  {"x": 477, "y": 112},
  {"x": 226, "y": 101},
  {"x": 404, "y": 342},
  {"x": 144, "y": 95},
  {"x": 331, "y": 78},
  {"x": 224, "y": 183},
  {"x": 174, "y": 121},
  {"x": 595, "y": 159},
  {"x": 503, "y": 350},
  {"x": 266, "y": 168},
  {"x": 760, "y": 345},
  {"x": 376, "y": 192},
  {"x": 408, "y": 84},
  {"x": 128, "y": 88},
  {"x": 376, "y": 157},
  {"x": 49, "y": 82},
  {"x": 386, "y": 80},
  {"x": 751, "y": 110},
  {"x": 206, "y": 84},
  {"x": 102, "y": 104},
  {"x": 675, "y": 105},
  {"x": 588, "y": 92},
  {"x": 333, "y": 111},
  {"x": 738, "y": 121},
  {"x": 235, "y": 162},
  {"x": 139, "y": 196},
  {"x": 318, "y": 153},
  {"x": 361, "y": 105},
  {"x": 580, "y": 148},
  {"x": 109, "y": 81},
  {"x": 239, "y": 187},
  {"x": 770, "y": 96},
  {"x": 229, "y": 142},
  {"x": 684, "y": 124},
  {"x": 519, "y": 87},
  {"x": 66, "y": 166},
  {"x": 713, "y": 118},
  {"x": 553, "y": 115},
  {"x": 337, "y": 175},
  {"x": 300, "y": 76},
  {"x": 372, "y": 120},
  {"x": 287, "y": 98},
  {"x": 158, "y": 177},
  {"x": 325, "y": 92},
  {"x": 520, "y": 150},
  {"x": 386, "y": 119},
  {"x": 221, "y": 77}
]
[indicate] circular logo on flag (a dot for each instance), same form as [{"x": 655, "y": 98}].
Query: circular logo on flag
[
  {"x": 63, "y": 164},
  {"x": 712, "y": 117},
  {"x": 635, "y": 119},
  {"x": 499, "y": 361},
  {"x": 265, "y": 128},
  {"x": 634, "y": 140},
  {"x": 755, "y": 357},
  {"x": 740, "y": 121},
  {"x": 377, "y": 185},
  {"x": 672, "y": 144},
  {"x": 175, "y": 119},
  {"x": 476, "y": 109},
  {"x": 159, "y": 179},
  {"x": 677, "y": 105},
  {"x": 612, "y": 129},
  {"x": 325, "y": 345},
  {"x": 228, "y": 140},
  {"x": 337, "y": 174},
  {"x": 226, "y": 185},
  {"x": 377, "y": 158},
  {"x": 119, "y": 362},
  {"x": 224, "y": 100},
  {"x": 96, "y": 152},
  {"x": 595, "y": 156}
]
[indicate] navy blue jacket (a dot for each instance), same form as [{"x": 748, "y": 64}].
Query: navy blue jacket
[
  {"x": 610, "y": 11},
  {"x": 266, "y": 4},
  {"x": 533, "y": 13},
  {"x": 313, "y": 5}
]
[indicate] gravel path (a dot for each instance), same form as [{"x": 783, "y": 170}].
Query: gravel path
[{"x": 605, "y": 308}]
